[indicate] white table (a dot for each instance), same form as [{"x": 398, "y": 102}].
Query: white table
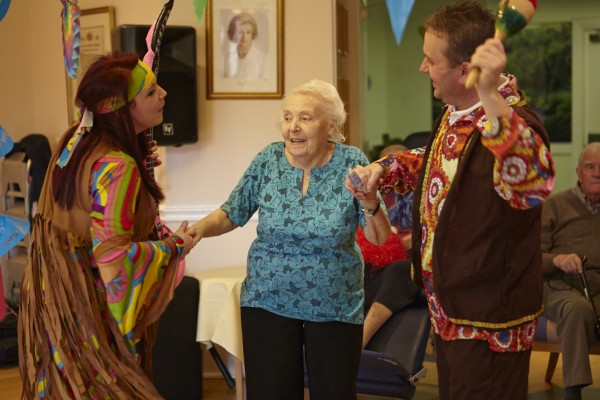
[{"x": 219, "y": 315}]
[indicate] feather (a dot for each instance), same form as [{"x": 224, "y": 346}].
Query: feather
[
  {"x": 71, "y": 36},
  {"x": 154, "y": 37}
]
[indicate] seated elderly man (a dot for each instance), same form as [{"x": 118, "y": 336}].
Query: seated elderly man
[{"x": 570, "y": 234}]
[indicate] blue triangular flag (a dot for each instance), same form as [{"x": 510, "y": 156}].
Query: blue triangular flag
[
  {"x": 12, "y": 230},
  {"x": 4, "y": 4},
  {"x": 6, "y": 143},
  {"x": 399, "y": 11}
]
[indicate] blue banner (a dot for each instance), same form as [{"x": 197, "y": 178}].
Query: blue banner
[
  {"x": 12, "y": 231},
  {"x": 4, "y": 4},
  {"x": 6, "y": 143},
  {"x": 399, "y": 11}
]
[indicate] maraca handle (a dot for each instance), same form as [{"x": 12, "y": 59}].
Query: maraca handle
[
  {"x": 475, "y": 71},
  {"x": 472, "y": 77}
]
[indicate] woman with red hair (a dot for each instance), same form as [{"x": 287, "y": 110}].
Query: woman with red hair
[{"x": 95, "y": 285}]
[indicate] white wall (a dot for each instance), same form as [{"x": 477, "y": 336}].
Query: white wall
[
  {"x": 16, "y": 71},
  {"x": 197, "y": 177}
]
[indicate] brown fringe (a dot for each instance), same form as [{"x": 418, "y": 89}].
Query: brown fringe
[{"x": 65, "y": 305}]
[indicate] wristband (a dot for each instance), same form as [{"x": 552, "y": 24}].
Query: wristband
[{"x": 370, "y": 212}]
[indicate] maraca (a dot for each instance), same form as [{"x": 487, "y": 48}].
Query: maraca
[{"x": 513, "y": 15}]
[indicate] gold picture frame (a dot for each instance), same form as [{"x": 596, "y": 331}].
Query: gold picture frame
[
  {"x": 240, "y": 68},
  {"x": 95, "y": 26}
]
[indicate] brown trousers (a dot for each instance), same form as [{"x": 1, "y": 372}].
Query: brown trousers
[
  {"x": 469, "y": 370},
  {"x": 575, "y": 327}
]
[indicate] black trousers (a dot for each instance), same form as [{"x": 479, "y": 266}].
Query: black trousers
[
  {"x": 469, "y": 370},
  {"x": 275, "y": 349}
]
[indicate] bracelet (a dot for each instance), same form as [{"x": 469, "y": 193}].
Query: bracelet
[{"x": 370, "y": 212}]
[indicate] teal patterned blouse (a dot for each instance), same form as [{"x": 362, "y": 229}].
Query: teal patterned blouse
[{"x": 305, "y": 263}]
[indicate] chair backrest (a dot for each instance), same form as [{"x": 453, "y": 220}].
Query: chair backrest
[
  {"x": 417, "y": 139},
  {"x": 402, "y": 340}
]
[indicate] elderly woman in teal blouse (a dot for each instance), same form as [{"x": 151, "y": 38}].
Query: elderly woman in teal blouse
[{"x": 302, "y": 299}]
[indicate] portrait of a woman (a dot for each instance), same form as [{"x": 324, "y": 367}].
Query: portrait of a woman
[{"x": 243, "y": 58}]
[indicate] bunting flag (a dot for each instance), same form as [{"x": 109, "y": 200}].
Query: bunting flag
[
  {"x": 12, "y": 231},
  {"x": 70, "y": 36},
  {"x": 399, "y": 11},
  {"x": 199, "y": 6},
  {"x": 6, "y": 142},
  {"x": 4, "y": 4}
]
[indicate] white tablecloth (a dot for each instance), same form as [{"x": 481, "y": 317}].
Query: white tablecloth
[{"x": 219, "y": 310}]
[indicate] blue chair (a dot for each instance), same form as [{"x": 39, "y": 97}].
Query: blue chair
[{"x": 392, "y": 363}]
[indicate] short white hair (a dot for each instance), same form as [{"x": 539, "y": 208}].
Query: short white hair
[
  {"x": 328, "y": 101},
  {"x": 594, "y": 146}
]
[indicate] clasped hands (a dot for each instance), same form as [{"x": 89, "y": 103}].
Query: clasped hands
[
  {"x": 188, "y": 239},
  {"x": 191, "y": 235},
  {"x": 363, "y": 182}
]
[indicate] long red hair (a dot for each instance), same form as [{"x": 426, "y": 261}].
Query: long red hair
[{"x": 107, "y": 77}]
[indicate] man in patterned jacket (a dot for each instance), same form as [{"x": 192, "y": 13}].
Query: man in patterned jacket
[{"x": 479, "y": 185}]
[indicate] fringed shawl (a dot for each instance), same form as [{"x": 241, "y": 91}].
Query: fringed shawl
[{"x": 70, "y": 345}]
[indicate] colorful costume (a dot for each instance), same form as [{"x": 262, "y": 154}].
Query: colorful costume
[
  {"x": 94, "y": 286},
  {"x": 478, "y": 189},
  {"x": 569, "y": 225}
]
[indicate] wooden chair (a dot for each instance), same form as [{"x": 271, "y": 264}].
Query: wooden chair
[{"x": 546, "y": 339}]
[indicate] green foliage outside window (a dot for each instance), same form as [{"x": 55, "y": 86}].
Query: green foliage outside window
[{"x": 540, "y": 58}]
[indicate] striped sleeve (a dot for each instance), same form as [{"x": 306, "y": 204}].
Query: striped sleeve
[{"x": 128, "y": 269}]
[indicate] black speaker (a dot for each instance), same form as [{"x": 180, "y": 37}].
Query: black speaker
[
  {"x": 176, "y": 356},
  {"x": 176, "y": 74}
]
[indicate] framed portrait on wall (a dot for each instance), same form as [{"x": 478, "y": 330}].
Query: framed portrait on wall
[
  {"x": 95, "y": 26},
  {"x": 244, "y": 49}
]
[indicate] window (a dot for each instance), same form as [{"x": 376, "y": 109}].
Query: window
[{"x": 540, "y": 58}]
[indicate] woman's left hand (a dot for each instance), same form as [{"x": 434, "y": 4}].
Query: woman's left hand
[
  {"x": 362, "y": 182},
  {"x": 188, "y": 239}
]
